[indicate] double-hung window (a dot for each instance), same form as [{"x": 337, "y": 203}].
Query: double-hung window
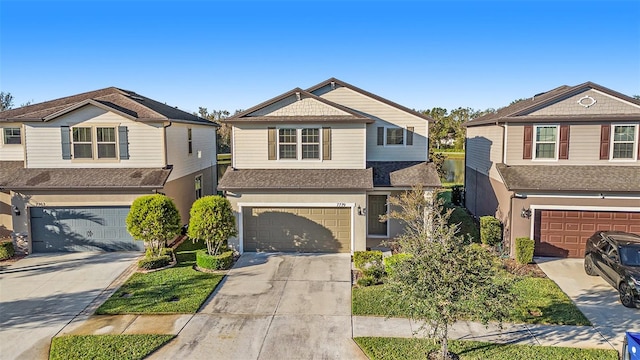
[
  {"x": 106, "y": 142},
  {"x": 546, "y": 140},
  {"x": 287, "y": 143},
  {"x": 624, "y": 137},
  {"x": 11, "y": 136},
  {"x": 82, "y": 143},
  {"x": 190, "y": 141},
  {"x": 311, "y": 143}
]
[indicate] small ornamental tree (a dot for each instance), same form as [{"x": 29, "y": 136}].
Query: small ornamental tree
[
  {"x": 153, "y": 219},
  {"x": 212, "y": 220},
  {"x": 443, "y": 279}
]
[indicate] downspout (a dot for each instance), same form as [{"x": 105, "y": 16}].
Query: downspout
[
  {"x": 164, "y": 136},
  {"x": 510, "y": 212}
]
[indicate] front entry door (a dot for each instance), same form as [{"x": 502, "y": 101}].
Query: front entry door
[{"x": 377, "y": 206}]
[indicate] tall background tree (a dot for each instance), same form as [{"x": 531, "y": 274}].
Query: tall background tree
[
  {"x": 224, "y": 131},
  {"x": 6, "y": 101}
]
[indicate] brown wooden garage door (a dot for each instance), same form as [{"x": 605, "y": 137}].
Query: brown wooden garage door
[
  {"x": 297, "y": 229},
  {"x": 565, "y": 233}
]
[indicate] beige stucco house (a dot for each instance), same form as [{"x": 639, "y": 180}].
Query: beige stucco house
[
  {"x": 557, "y": 167},
  {"x": 312, "y": 169},
  {"x": 70, "y": 168}
]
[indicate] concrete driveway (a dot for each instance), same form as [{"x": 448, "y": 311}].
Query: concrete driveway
[
  {"x": 40, "y": 294},
  {"x": 597, "y": 300},
  {"x": 274, "y": 306}
]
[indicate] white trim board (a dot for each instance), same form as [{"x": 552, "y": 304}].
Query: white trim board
[{"x": 240, "y": 206}]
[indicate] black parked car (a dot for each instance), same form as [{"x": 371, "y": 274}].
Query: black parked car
[{"x": 615, "y": 256}]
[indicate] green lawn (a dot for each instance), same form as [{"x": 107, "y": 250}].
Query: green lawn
[
  {"x": 105, "y": 347},
  {"x": 401, "y": 349},
  {"x": 175, "y": 290},
  {"x": 540, "y": 302}
]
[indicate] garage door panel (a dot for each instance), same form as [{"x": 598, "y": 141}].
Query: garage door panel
[
  {"x": 297, "y": 229},
  {"x": 81, "y": 229},
  {"x": 565, "y": 233}
]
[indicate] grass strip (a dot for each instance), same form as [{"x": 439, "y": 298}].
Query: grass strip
[
  {"x": 105, "y": 347},
  {"x": 404, "y": 348}
]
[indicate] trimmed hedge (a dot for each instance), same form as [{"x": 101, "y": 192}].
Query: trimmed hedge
[
  {"x": 154, "y": 262},
  {"x": 524, "y": 250},
  {"x": 490, "y": 230},
  {"x": 365, "y": 259},
  {"x": 6, "y": 250},
  {"x": 392, "y": 261},
  {"x": 214, "y": 262}
]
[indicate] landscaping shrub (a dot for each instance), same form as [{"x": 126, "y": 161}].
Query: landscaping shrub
[
  {"x": 367, "y": 281},
  {"x": 214, "y": 262},
  {"x": 370, "y": 263},
  {"x": 392, "y": 261},
  {"x": 524, "y": 250},
  {"x": 457, "y": 195},
  {"x": 154, "y": 262},
  {"x": 6, "y": 250},
  {"x": 153, "y": 219},
  {"x": 490, "y": 230},
  {"x": 213, "y": 221}
]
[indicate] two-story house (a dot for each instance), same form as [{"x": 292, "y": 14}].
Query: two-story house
[
  {"x": 312, "y": 169},
  {"x": 557, "y": 167},
  {"x": 70, "y": 168}
]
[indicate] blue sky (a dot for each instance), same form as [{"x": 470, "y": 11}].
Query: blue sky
[{"x": 233, "y": 55}]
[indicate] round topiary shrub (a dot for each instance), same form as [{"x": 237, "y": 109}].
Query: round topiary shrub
[{"x": 214, "y": 262}]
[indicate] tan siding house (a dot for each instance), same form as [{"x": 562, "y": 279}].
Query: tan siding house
[
  {"x": 569, "y": 166},
  {"x": 312, "y": 169},
  {"x": 86, "y": 157}
]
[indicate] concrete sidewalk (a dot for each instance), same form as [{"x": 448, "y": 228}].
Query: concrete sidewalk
[{"x": 522, "y": 334}]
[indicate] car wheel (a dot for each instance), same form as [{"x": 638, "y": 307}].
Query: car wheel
[
  {"x": 589, "y": 268},
  {"x": 626, "y": 296}
]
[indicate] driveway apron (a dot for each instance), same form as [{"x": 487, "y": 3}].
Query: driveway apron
[
  {"x": 40, "y": 294},
  {"x": 597, "y": 300},
  {"x": 274, "y": 306}
]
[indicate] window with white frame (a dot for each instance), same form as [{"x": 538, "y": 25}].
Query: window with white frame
[
  {"x": 624, "y": 138},
  {"x": 11, "y": 136},
  {"x": 94, "y": 142},
  {"x": 190, "y": 141},
  {"x": 82, "y": 143},
  {"x": 311, "y": 143},
  {"x": 106, "y": 142},
  {"x": 198, "y": 185},
  {"x": 546, "y": 140},
  {"x": 287, "y": 144},
  {"x": 394, "y": 136}
]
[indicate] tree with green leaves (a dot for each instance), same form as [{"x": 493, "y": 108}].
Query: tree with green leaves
[
  {"x": 224, "y": 131},
  {"x": 153, "y": 219},
  {"x": 212, "y": 221},
  {"x": 6, "y": 101},
  {"x": 443, "y": 279}
]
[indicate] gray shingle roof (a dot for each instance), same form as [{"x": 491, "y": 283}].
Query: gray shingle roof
[
  {"x": 14, "y": 176},
  {"x": 127, "y": 102},
  {"x": 404, "y": 173},
  {"x": 512, "y": 113},
  {"x": 292, "y": 179},
  {"x": 570, "y": 178}
]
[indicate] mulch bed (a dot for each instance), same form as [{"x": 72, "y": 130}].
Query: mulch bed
[{"x": 521, "y": 270}]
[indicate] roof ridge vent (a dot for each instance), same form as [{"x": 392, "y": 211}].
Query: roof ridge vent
[{"x": 136, "y": 97}]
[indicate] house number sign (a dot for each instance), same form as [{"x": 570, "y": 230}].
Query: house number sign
[{"x": 341, "y": 204}]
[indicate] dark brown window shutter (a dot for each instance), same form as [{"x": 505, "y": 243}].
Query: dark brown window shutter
[
  {"x": 528, "y": 142},
  {"x": 564, "y": 142},
  {"x": 605, "y": 139},
  {"x": 381, "y": 136},
  {"x": 409, "y": 135},
  {"x": 272, "y": 142},
  {"x": 326, "y": 143}
]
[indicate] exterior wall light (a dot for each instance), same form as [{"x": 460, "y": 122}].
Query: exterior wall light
[
  {"x": 16, "y": 211},
  {"x": 525, "y": 213},
  {"x": 361, "y": 210}
]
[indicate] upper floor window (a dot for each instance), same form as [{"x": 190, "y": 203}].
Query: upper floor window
[
  {"x": 546, "y": 137},
  {"x": 287, "y": 144},
  {"x": 311, "y": 143},
  {"x": 395, "y": 136},
  {"x": 623, "y": 139},
  {"x": 11, "y": 136},
  {"x": 190, "y": 140},
  {"x": 100, "y": 141}
]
